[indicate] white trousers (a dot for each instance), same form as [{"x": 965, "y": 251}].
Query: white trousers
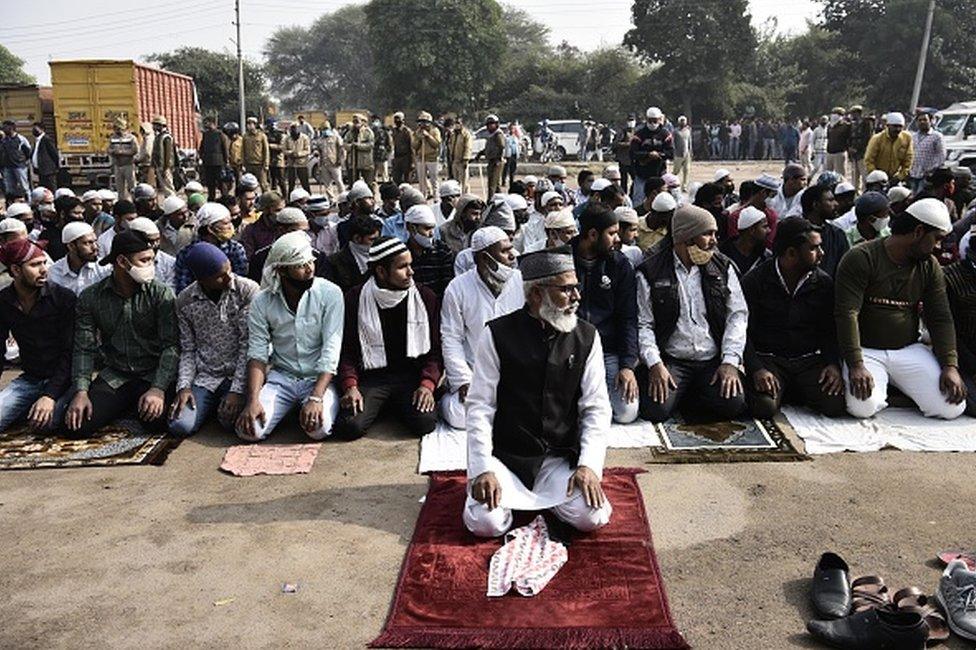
[
  {"x": 452, "y": 410},
  {"x": 280, "y": 394},
  {"x": 492, "y": 523},
  {"x": 329, "y": 175},
  {"x": 427, "y": 177},
  {"x": 913, "y": 370}
]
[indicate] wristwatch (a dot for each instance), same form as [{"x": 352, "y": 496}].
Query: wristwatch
[{"x": 313, "y": 398}]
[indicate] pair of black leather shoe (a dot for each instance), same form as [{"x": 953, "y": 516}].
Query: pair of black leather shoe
[{"x": 871, "y": 629}]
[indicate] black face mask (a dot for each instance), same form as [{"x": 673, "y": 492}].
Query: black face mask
[{"x": 298, "y": 285}]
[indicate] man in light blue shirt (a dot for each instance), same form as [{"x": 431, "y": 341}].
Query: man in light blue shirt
[{"x": 294, "y": 338}]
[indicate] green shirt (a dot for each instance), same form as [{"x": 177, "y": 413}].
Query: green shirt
[
  {"x": 854, "y": 236},
  {"x": 877, "y": 303},
  {"x": 136, "y": 336}
]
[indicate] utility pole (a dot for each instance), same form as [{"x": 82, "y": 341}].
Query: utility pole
[
  {"x": 240, "y": 60},
  {"x": 920, "y": 71}
]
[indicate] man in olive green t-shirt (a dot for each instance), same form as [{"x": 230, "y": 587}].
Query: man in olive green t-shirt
[{"x": 880, "y": 287}]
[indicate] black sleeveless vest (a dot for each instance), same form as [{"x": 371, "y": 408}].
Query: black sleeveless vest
[{"x": 538, "y": 392}]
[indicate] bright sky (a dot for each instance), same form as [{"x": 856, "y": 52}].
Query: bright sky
[{"x": 73, "y": 29}]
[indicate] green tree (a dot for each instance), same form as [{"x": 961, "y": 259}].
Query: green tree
[
  {"x": 327, "y": 65},
  {"x": 436, "y": 55},
  {"x": 215, "y": 75},
  {"x": 701, "y": 46},
  {"x": 881, "y": 41},
  {"x": 12, "y": 69}
]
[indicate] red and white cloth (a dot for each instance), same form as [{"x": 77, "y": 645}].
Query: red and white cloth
[{"x": 528, "y": 560}]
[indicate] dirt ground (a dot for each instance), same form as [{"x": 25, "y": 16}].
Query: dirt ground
[{"x": 138, "y": 556}]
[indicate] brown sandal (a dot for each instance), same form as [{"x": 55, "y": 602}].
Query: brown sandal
[
  {"x": 868, "y": 592},
  {"x": 912, "y": 599}
]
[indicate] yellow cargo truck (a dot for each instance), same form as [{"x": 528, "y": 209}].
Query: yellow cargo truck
[
  {"x": 25, "y": 105},
  {"x": 90, "y": 94}
]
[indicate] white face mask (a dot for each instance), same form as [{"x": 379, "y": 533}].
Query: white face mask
[
  {"x": 321, "y": 222},
  {"x": 631, "y": 124},
  {"x": 142, "y": 274},
  {"x": 834, "y": 118},
  {"x": 879, "y": 224},
  {"x": 422, "y": 240},
  {"x": 501, "y": 273}
]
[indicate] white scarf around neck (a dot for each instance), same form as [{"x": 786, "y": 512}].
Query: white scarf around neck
[{"x": 371, "y": 300}]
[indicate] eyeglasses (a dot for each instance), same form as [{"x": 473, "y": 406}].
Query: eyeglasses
[{"x": 566, "y": 289}]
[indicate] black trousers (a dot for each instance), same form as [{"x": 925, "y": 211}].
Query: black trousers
[
  {"x": 401, "y": 169},
  {"x": 703, "y": 399},
  {"x": 625, "y": 172},
  {"x": 278, "y": 180},
  {"x": 799, "y": 381},
  {"x": 210, "y": 176},
  {"x": 385, "y": 392},
  {"x": 302, "y": 173},
  {"x": 109, "y": 404}
]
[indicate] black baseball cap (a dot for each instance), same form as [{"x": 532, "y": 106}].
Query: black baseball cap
[{"x": 126, "y": 242}]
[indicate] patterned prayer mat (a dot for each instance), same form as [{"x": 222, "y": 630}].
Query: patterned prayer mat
[
  {"x": 730, "y": 441},
  {"x": 275, "y": 460},
  {"x": 121, "y": 443},
  {"x": 609, "y": 594}
]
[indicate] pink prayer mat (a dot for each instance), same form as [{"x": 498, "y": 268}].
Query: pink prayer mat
[{"x": 251, "y": 460}]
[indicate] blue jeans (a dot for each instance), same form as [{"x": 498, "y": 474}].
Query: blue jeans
[
  {"x": 624, "y": 412},
  {"x": 14, "y": 177},
  {"x": 19, "y": 396},
  {"x": 188, "y": 421}
]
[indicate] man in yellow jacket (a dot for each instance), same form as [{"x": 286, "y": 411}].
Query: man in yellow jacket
[
  {"x": 256, "y": 152},
  {"x": 426, "y": 151},
  {"x": 891, "y": 150},
  {"x": 460, "y": 142}
]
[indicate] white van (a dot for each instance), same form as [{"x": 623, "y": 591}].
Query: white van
[
  {"x": 958, "y": 122},
  {"x": 567, "y": 138}
]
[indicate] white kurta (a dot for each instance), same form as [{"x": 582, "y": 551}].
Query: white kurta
[
  {"x": 532, "y": 236},
  {"x": 87, "y": 275},
  {"x": 550, "y": 485},
  {"x": 467, "y": 305},
  {"x": 846, "y": 221}
]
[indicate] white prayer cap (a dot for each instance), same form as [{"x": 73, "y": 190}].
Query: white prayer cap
[
  {"x": 516, "y": 202},
  {"x": 612, "y": 172},
  {"x": 298, "y": 194},
  {"x": 551, "y": 195},
  {"x": 626, "y": 215},
  {"x": 693, "y": 188},
  {"x": 359, "y": 190},
  {"x": 211, "y": 213},
  {"x": 485, "y": 237},
  {"x": 249, "y": 181},
  {"x": 12, "y": 224},
  {"x": 172, "y": 204},
  {"x": 107, "y": 195},
  {"x": 144, "y": 225},
  {"x": 193, "y": 187},
  {"x": 671, "y": 181},
  {"x": 63, "y": 191},
  {"x": 768, "y": 182},
  {"x": 932, "y": 212},
  {"x": 898, "y": 193},
  {"x": 557, "y": 170},
  {"x": 877, "y": 176},
  {"x": 90, "y": 195},
  {"x": 74, "y": 230},
  {"x": 398, "y": 114},
  {"x": 342, "y": 198},
  {"x": 600, "y": 184},
  {"x": 18, "y": 209},
  {"x": 654, "y": 113},
  {"x": 844, "y": 188},
  {"x": 39, "y": 194},
  {"x": 421, "y": 215},
  {"x": 559, "y": 219},
  {"x": 749, "y": 217},
  {"x": 530, "y": 180},
  {"x": 491, "y": 118},
  {"x": 290, "y": 215},
  {"x": 385, "y": 247},
  {"x": 663, "y": 202},
  {"x": 449, "y": 188},
  {"x": 292, "y": 249},
  {"x": 895, "y": 118},
  {"x": 720, "y": 173}
]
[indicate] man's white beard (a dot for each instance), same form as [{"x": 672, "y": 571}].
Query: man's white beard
[{"x": 556, "y": 317}]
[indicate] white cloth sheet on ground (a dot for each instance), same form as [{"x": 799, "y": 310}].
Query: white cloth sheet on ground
[
  {"x": 446, "y": 449},
  {"x": 901, "y": 428}
]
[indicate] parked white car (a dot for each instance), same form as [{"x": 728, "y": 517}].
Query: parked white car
[
  {"x": 567, "y": 138},
  {"x": 957, "y": 122}
]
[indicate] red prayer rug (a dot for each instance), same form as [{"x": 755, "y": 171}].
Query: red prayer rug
[{"x": 608, "y": 595}]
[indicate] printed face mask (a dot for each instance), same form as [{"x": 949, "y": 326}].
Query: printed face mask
[{"x": 699, "y": 257}]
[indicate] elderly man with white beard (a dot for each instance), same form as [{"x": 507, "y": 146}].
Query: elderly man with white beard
[
  {"x": 538, "y": 408},
  {"x": 492, "y": 288}
]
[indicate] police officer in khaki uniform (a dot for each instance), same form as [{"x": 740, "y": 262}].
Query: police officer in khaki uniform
[
  {"x": 122, "y": 149},
  {"x": 163, "y": 157}
]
